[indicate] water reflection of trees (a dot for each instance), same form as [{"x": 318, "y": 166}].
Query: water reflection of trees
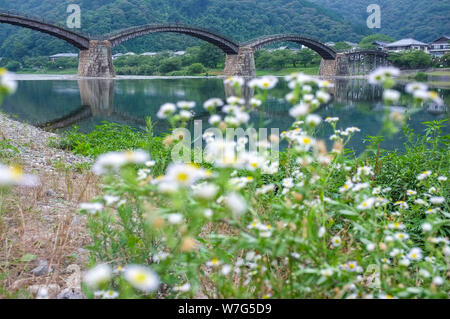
[{"x": 131, "y": 101}]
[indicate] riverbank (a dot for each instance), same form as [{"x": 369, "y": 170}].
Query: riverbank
[
  {"x": 41, "y": 232},
  {"x": 209, "y": 73}
]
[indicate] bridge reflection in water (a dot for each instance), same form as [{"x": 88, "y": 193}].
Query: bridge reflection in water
[{"x": 98, "y": 100}]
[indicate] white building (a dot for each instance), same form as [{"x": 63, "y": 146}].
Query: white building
[
  {"x": 62, "y": 55},
  {"x": 117, "y": 55},
  {"x": 441, "y": 46},
  {"x": 149, "y": 53},
  {"x": 406, "y": 44}
]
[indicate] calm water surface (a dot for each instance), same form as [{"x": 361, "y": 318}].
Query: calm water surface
[{"x": 61, "y": 104}]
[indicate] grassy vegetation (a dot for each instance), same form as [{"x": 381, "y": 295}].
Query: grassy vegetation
[
  {"x": 439, "y": 73},
  {"x": 286, "y": 71},
  {"x": 47, "y": 71}
]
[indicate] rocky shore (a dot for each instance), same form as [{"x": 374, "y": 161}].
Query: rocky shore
[{"x": 42, "y": 236}]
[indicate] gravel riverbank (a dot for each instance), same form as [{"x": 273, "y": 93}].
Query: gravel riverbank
[{"x": 42, "y": 237}]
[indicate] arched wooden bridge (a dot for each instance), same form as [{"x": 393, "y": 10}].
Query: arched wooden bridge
[
  {"x": 77, "y": 40},
  {"x": 226, "y": 45},
  {"x": 324, "y": 51},
  {"x": 95, "y": 58}
]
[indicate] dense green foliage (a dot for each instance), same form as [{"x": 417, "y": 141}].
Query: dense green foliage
[
  {"x": 411, "y": 59},
  {"x": 110, "y": 137},
  {"x": 367, "y": 42},
  {"x": 199, "y": 60},
  {"x": 240, "y": 20},
  {"x": 424, "y": 20}
]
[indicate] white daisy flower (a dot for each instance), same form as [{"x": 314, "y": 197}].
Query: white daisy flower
[
  {"x": 141, "y": 278},
  {"x": 166, "y": 110},
  {"x": 98, "y": 275},
  {"x": 415, "y": 254}
]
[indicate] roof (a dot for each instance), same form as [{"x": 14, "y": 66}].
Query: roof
[
  {"x": 383, "y": 43},
  {"x": 64, "y": 55},
  {"x": 405, "y": 43},
  {"x": 446, "y": 37}
]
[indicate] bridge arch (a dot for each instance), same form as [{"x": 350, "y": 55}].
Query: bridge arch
[
  {"x": 225, "y": 44},
  {"x": 324, "y": 51},
  {"x": 77, "y": 40}
]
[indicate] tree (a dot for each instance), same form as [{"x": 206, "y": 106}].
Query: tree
[
  {"x": 196, "y": 68},
  {"x": 367, "y": 42},
  {"x": 169, "y": 65},
  {"x": 444, "y": 61},
  {"x": 306, "y": 56},
  {"x": 341, "y": 47},
  {"x": 13, "y": 65},
  {"x": 209, "y": 55},
  {"x": 262, "y": 59},
  {"x": 411, "y": 59}
]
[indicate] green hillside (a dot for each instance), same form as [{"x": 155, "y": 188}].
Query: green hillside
[
  {"x": 239, "y": 19},
  {"x": 424, "y": 20}
]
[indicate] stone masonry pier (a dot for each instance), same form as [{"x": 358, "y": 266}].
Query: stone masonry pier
[{"x": 97, "y": 60}]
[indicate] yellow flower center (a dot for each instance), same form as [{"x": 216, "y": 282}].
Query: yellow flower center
[
  {"x": 129, "y": 155},
  {"x": 16, "y": 172},
  {"x": 414, "y": 256},
  {"x": 214, "y": 261},
  {"x": 182, "y": 177},
  {"x": 140, "y": 278},
  {"x": 306, "y": 140},
  {"x": 433, "y": 94}
]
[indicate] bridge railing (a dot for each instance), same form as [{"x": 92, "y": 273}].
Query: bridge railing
[
  {"x": 270, "y": 36},
  {"x": 162, "y": 25},
  {"x": 41, "y": 20},
  {"x": 362, "y": 51}
]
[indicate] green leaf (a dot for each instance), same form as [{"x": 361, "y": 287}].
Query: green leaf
[{"x": 27, "y": 258}]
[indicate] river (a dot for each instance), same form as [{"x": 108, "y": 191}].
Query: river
[{"x": 60, "y": 102}]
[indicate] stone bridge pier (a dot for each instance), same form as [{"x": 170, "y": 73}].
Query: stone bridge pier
[
  {"x": 96, "y": 61},
  {"x": 336, "y": 67},
  {"x": 241, "y": 64}
]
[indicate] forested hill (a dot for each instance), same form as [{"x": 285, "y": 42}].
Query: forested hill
[
  {"x": 239, "y": 19},
  {"x": 424, "y": 20}
]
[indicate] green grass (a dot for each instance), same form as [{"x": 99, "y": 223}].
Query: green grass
[
  {"x": 286, "y": 71},
  {"x": 45, "y": 71},
  {"x": 109, "y": 137},
  {"x": 211, "y": 72},
  {"x": 440, "y": 73}
]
